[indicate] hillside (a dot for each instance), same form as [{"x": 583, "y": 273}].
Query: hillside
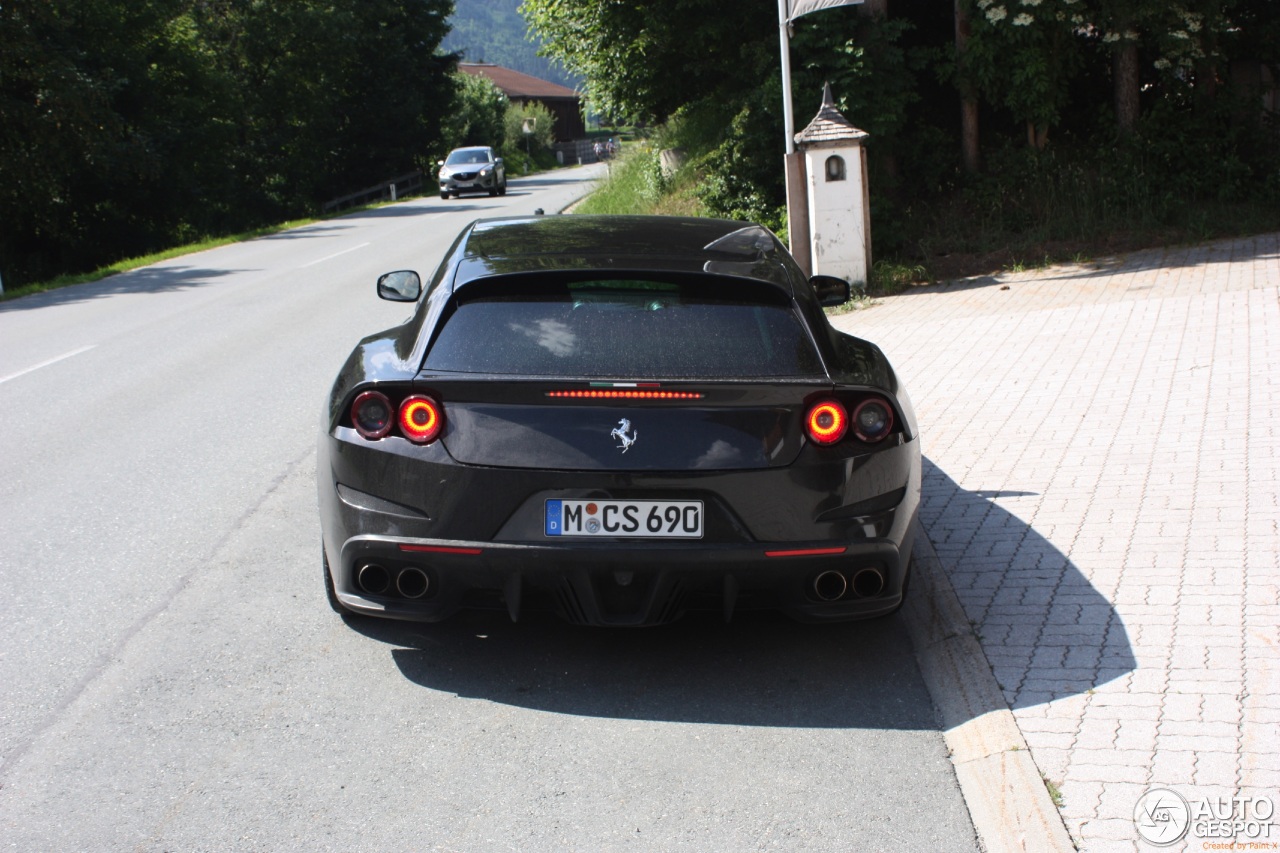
[{"x": 493, "y": 31}]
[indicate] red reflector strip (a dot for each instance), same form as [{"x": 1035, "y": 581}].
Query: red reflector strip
[
  {"x": 628, "y": 395},
  {"x": 806, "y": 552},
  {"x": 441, "y": 549}
]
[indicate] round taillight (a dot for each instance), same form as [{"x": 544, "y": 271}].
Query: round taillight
[
  {"x": 421, "y": 419},
  {"x": 372, "y": 414},
  {"x": 827, "y": 422},
  {"x": 872, "y": 420}
]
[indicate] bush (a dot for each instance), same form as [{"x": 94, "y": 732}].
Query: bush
[
  {"x": 543, "y": 126},
  {"x": 739, "y": 184}
]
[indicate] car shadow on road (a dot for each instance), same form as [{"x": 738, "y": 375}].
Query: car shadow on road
[
  {"x": 1046, "y": 631},
  {"x": 758, "y": 670}
]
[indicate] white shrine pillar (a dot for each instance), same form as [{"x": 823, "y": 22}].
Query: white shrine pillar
[{"x": 839, "y": 208}]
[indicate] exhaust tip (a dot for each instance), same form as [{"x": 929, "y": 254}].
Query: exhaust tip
[
  {"x": 868, "y": 583},
  {"x": 412, "y": 583},
  {"x": 373, "y": 579},
  {"x": 830, "y": 585}
]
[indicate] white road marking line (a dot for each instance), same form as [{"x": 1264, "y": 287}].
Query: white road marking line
[
  {"x": 54, "y": 360},
  {"x": 331, "y": 257}
]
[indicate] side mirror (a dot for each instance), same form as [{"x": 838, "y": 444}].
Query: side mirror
[
  {"x": 439, "y": 162},
  {"x": 497, "y": 160},
  {"x": 830, "y": 290},
  {"x": 400, "y": 286}
]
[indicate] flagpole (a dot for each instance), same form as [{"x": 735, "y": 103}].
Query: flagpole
[{"x": 788, "y": 121}]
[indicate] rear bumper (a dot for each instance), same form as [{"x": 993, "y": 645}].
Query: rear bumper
[
  {"x": 477, "y": 535},
  {"x": 623, "y": 584}
]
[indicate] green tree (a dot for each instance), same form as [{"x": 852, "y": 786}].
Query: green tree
[
  {"x": 1023, "y": 55},
  {"x": 648, "y": 59},
  {"x": 129, "y": 125},
  {"x": 478, "y": 117}
]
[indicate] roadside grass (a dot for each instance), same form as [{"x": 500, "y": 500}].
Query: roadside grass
[
  {"x": 632, "y": 185},
  {"x": 635, "y": 185},
  {"x": 1055, "y": 793}
]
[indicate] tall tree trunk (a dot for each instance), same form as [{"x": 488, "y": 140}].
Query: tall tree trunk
[
  {"x": 1125, "y": 78},
  {"x": 969, "y": 139}
]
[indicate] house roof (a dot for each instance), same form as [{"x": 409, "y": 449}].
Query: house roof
[
  {"x": 829, "y": 125},
  {"x": 516, "y": 85}
]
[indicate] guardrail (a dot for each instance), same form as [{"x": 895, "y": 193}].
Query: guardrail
[{"x": 385, "y": 191}]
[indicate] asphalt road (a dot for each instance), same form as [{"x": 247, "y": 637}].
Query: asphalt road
[{"x": 172, "y": 678}]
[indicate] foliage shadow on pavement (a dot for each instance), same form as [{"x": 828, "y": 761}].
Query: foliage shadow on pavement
[
  {"x": 155, "y": 279},
  {"x": 423, "y": 206},
  {"x": 1241, "y": 250},
  {"x": 759, "y": 670},
  {"x": 1047, "y": 632}
]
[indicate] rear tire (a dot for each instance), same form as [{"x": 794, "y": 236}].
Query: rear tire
[
  {"x": 329, "y": 591},
  {"x": 444, "y": 195},
  {"x": 502, "y": 190}
]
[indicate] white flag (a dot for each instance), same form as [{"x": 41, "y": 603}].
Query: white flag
[{"x": 796, "y": 8}]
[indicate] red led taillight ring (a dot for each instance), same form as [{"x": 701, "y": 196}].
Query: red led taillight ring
[
  {"x": 888, "y": 423},
  {"x": 361, "y": 425},
  {"x": 421, "y": 419},
  {"x": 827, "y": 422}
]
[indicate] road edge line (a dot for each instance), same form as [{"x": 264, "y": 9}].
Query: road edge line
[{"x": 1002, "y": 787}]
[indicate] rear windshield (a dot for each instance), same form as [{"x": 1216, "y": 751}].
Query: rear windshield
[{"x": 625, "y": 328}]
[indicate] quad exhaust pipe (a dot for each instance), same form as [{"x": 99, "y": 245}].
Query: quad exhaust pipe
[
  {"x": 412, "y": 583},
  {"x": 833, "y": 586},
  {"x": 407, "y": 583},
  {"x": 868, "y": 583},
  {"x": 373, "y": 579},
  {"x": 830, "y": 586}
]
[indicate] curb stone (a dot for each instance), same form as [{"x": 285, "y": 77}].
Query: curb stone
[{"x": 1002, "y": 786}]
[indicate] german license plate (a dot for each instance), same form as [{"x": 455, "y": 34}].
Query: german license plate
[{"x": 650, "y": 519}]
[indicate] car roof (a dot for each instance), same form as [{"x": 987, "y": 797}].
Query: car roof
[{"x": 658, "y": 243}]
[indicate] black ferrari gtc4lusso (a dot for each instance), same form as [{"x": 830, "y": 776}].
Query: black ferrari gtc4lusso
[{"x": 621, "y": 419}]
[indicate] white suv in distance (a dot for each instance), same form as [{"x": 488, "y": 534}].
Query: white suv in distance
[{"x": 476, "y": 169}]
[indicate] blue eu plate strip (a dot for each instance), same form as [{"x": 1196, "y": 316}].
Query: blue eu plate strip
[{"x": 554, "y": 512}]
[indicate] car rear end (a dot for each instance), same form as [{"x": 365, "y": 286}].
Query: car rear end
[{"x": 621, "y": 448}]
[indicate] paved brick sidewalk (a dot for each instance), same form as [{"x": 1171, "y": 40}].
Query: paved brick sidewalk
[{"x": 1102, "y": 485}]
